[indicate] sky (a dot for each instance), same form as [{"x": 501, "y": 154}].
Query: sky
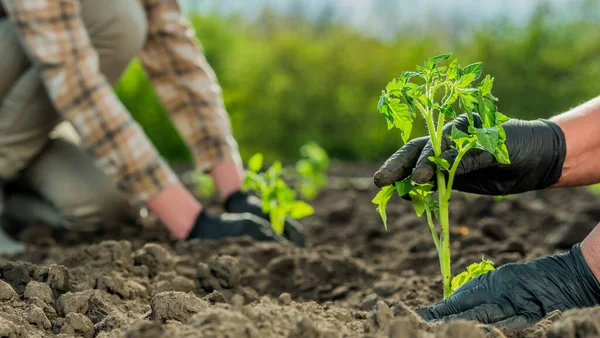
[{"x": 377, "y": 16}]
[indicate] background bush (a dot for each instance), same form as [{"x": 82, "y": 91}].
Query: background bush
[{"x": 288, "y": 80}]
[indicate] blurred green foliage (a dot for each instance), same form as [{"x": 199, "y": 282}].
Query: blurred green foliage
[{"x": 287, "y": 80}]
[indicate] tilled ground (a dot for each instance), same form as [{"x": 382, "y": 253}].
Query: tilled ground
[{"x": 353, "y": 280}]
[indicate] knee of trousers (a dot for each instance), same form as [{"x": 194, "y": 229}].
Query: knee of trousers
[
  {"x": 122, "y": 35},
  {"x": 99, "y": 212}
]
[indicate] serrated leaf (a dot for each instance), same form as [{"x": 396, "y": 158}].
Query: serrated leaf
[
  {"x": 474, "y": 68},
  {"x": 472, "y": 271},
  {"x": 454, "y": 93},
  {"x": 381, "y": 200},
  {"x": 423, "y": 71},
  {"x": 432, "y": 62},
  {"x": 452, "y": 72},
  {"x": 394, "y": 86},
  {"x": 457, "y": 134},
  {"x": 404, "y": 187},
  {"x": 405, "y": 77},
  {"x": 300, "y": 209},
  {"x": 488, "y": 138},
  {"x": 418, "y": 204},
  {"x": 486, "y": 85},
  {"x": 466, "y": 102},
  {"x": 405, "y": 125},
  {"x": 501, "y": 154},
  {"x": 501, "y": 118},
  {"x": 448, "y": 111},
  {"x": 466, "y": 80},
  {"x": 441, "y": 163},
  {"x": 255, "y": 162},
  {"x": 459, "y": 280}
]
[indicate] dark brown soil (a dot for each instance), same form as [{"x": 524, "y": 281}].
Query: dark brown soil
[{"x": 353, "y": 280}]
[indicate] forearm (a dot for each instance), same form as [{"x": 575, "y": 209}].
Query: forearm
[
  {"x": 581, "y": 128},
  {"x": 590, "y": 248}
]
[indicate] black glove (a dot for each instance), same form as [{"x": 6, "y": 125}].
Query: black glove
[
  {"x": 537, "y": 151},
  {"x": 240, "y": 202},
  {"x": 516, "y": 295},
  {"x": 212, "y": 227}
]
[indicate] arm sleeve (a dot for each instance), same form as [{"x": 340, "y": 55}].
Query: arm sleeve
[
  {"x": 53, "y": 34},
  {"x": 186, "y": 85}
]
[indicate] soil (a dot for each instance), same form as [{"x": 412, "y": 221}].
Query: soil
[{"x": 353, "y": 279}]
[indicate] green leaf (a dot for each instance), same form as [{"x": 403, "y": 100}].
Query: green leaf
[
  {"x": 381, "y": 200},
  {"x": 474, "y": 69},
  {"x": 456, "y": 134},
  {"x": 501, "y": 118},
  {"x": 405, "y": 77},
  {"x": 432, "y": 62},
  {"x": 405, "y": 126},
  {"x": 441, "y": 163},
  {"x": 486, "y": 85},
  {"x": 448, "y": 111},
  {"x": 466, "y": 80},
  {"x": 452, "y": 72},
  {"x": 454, "y": 94},
  {"x": 466, "y": 102},
  {"x": 418, "y": 204},
  {"x": 501, "y": 154},
  {"x": 459, "y": 280},
  {"x": 488, "y": 138},
  {"x": 256, "y": 162},
  {"x": 404, "y": 187},
  {"x": 394, "y": 86},
  {"x": 472, "y": 271},
  {"x": 300, "y": 209}
]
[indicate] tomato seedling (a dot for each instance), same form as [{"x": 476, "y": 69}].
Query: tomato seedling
[
  {"x": 312, "y": 170},
  {"x": 433, "y": 92},
  {"x": 279, "y": 200}
]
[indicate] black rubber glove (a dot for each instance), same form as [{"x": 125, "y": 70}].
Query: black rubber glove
[
  {"x": 517, "y": 295},
  {"x": 212, "y": 227},
  {"x": 240, "y": 202},
  {"x": 537, "y": 151}
]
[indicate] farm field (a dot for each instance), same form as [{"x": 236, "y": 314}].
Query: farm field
[{"x": 354, "y": 279}]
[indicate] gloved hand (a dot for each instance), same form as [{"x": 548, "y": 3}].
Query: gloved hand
[
  {"x": 211, "y": 227},
  {"x": 516, "y": 295},
  {"x": 240, "y": 202},
  {"x": 537, "y": 151}
]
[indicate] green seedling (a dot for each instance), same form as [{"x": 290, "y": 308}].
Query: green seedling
[
  {"x": 312, "y": 170},
  {"x": 436, "y": 93},
  {"x": 279, "y": 201},
  {"x": 473, "y": 270}
]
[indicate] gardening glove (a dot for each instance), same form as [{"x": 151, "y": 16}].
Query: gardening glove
[
  {"x": 212, "y": 227},
  {"x": 537, "y": 151},
  {"x": 240, "y": 202},
  {"x": 514, "y": 296}
]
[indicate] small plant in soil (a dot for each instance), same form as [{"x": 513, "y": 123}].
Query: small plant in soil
[
  {"x": 437, "y": 93},
  {"x": 312, "y": 170},
  {"x": 279, "y": 200}
]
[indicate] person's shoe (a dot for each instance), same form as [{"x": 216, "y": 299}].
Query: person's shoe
[{"x": 8, "y": 245}]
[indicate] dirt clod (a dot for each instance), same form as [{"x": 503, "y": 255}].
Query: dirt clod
[
  {"x": 6, "y": 291},
  {"x": 174, "y": 305},
  {"x": 155, "y": 257},
  {"x": 78, "y": 325},
  {"x": 58, "y": 278},
  {"x": 354, "y": 279},
  {"x": 285, "y": 298},
  {"x": 39, "y": 290}
]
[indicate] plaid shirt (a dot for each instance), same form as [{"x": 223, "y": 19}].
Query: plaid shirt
[{"x": 56, "y": 39}]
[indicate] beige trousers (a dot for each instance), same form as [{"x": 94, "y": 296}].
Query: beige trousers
[{"x": 44, "y": 175}]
